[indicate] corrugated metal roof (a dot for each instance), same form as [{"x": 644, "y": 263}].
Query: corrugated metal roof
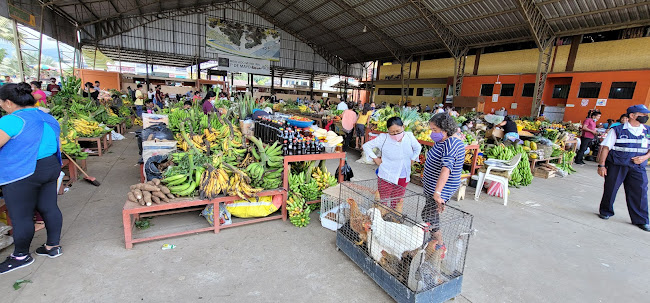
[{"x": 391, "y": 25}]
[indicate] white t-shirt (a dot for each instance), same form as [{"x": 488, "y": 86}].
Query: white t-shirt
[
  {"x": 440, "y": 111},
  {"x": 342, "y": 106},
  {"x": 610, "y": 139}
]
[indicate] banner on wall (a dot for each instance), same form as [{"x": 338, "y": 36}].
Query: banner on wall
[
  {"x": 601, "y": 102},
  {"x": 236, "y": 64},
  {"x": 432, "y": 92},
  {"x": 236, "y": 38}
]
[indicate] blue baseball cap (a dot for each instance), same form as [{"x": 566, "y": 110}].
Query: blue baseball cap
[{"x": 639, "y": 108}]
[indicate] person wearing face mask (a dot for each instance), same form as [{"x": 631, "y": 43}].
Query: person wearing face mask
[
  {"x": 443, "y": 166},
  {"x": 623, "y": 160},
  {"x": 210, "y": 96},
  {"x": 399, "y": 150},
  {"x": 588, "y": 134}
]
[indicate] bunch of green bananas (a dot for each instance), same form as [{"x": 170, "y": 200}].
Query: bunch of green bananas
[
  {"x": 295, "y": 181},
  {"x": 298, "y": 210},
  {"x": 270, "y": 155},
  {"x": 113, "y": 120},
  {"x": 255, "y": 170},
  {"x": 521, "y": 175},
  {"x": 184, "y": 184},
  {"x": 310, "y": 190},
  {"x": 272, "y": 179},
  {"x": 565, "y": 164}
]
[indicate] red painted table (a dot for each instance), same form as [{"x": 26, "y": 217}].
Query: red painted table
[{"x": 133, "y": 211}]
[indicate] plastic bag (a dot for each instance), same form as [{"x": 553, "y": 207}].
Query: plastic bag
[
  {"x": 159, "y": 131},
  {"x": 346, "y": 171},
  {"x": 116, "y": 136},
  {"x": 224, "y": 215},
  {"x": 259, "y": 209},
  {"x": 151, "y": 171}
]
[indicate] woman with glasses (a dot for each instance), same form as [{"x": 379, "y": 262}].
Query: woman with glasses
[{"x": 399, "y": 150}]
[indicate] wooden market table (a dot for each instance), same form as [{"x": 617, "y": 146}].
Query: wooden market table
[
  {"x": 102, "y": 143},
  {"x": 546, "y": 160},
  {"x": 312, "y": 157},
  {"x": 73, "y": 174},
  {"x": 119, "y": 128},
  {"x": 133, "y": 211}
]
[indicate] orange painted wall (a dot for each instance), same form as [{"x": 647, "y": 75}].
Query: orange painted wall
[
  {"x": 107, "y": 80},
  {"x": 615, "y": 107},
  {"x": 547, "y": 96},
  {"x": 574, "y": 110},
  {"x": 472, "y": 88}
]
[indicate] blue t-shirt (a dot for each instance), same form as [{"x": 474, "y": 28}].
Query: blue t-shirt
[
  {"x": 13, "y": 125},
  {"x": 451, "y": 154}
]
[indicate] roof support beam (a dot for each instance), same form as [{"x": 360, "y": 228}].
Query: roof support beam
[
  {"x": 452, "y": 42},
  {"x": 544, "y": 38},
  {"x": 381, "y": 36},
  {"x": 338, "y": 38}
]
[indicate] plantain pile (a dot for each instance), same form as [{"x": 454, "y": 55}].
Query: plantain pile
[
  {"x": 521, "y": 175},
  {"x": 298, "y": 210},
  {"x": 267, "y": 173},
  {"x": 225, "y": 178},
  {"x": 152, "y": 192},
  {"x": 184, "y": 178}
]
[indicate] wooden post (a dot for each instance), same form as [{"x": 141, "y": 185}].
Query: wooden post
[
  {"x": 477, "y": 59},
  {"x": 573, "y": 52}
]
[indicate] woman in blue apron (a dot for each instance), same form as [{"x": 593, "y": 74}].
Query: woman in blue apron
[{"x": 30, "y": 164}]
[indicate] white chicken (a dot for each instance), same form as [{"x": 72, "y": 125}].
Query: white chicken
[{"x": 394, "y": 238}]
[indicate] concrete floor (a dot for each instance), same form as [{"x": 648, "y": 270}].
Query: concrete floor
[{"x": 547, "y": 245}]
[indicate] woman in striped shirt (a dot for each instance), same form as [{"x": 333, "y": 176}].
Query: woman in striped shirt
[{"x": 443, "y": 166}]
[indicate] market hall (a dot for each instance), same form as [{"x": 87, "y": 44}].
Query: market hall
[{"x": 354, "y": 147}]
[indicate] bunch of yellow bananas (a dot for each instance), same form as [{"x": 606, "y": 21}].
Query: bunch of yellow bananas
[
  {"x": 240, "y": 187},
  {"x": 323, "y": 178},
  {"x": 214, "y": 181},
  {"x": 138, "y": 121},
  {"x": 86, "y": 128}
]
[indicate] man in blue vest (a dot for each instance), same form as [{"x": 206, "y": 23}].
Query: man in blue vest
[{"x": 623, "y": 160}]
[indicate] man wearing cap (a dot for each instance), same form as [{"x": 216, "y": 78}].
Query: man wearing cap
[{"x": 623, "y": 161}]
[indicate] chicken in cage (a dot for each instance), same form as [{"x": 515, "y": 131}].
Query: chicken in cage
[{"x": 403, "y": 237}]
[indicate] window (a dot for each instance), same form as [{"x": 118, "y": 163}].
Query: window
[
  {"x": 393, "y": 91},
  {"x": 487, "y": 89},
  {"x": 589, "y": 89},
  {"x": 508, "y": 90},
  {"x": 529, "y": 90},
  {"x": 561, "y": 91},
  {"x": 420, "y": 91},
  {"x": 622, "y": 90}
]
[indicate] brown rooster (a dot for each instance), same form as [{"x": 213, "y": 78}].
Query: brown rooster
[{"x": 359, "y": 222}]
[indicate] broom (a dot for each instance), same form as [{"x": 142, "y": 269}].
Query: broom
[{"x": 88, "y": 178}]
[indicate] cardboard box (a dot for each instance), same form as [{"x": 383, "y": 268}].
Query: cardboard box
[
  {"x": 157, "y": 147},
  {"x": 543, "y": 172}
]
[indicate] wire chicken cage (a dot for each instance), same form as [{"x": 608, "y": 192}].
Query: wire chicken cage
[{"x": 399, "y": 238}]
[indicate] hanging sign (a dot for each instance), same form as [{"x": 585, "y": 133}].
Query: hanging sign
[
  {"x": 236, "y": 38},
  {"x": 601, "y": 102},
  {"x": 236, "y": 64},
  {"x": 21, "y": 15}
]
